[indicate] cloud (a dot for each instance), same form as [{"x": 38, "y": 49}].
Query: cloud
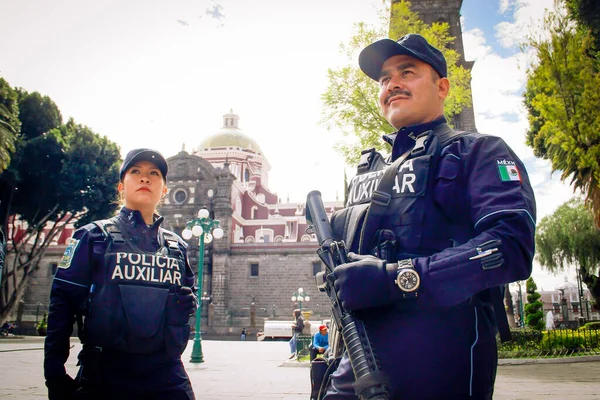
[
  {"x": 527, "y": 17},
  {"x": 497, "y": 85},
  {"x": 503, "y": 6}
]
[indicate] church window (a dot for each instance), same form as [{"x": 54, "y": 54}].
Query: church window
[
  {"x": 238, "y": 206},
  {"x": 254, "y": 269},
  {"x": 246, "y": 175},
  {"x": 180, "y": 196}
]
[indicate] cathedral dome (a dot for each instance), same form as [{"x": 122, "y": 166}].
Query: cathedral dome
[{"x": 230, "y": 135}]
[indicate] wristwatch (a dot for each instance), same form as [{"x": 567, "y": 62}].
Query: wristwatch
[{"x": 407, "y": 279}]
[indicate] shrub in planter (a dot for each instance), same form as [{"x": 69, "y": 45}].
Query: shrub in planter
[
  {"x": 522, "y": 338},
  {"x": 591, "y": 326},
  {"x": 42, "y": 326},
  {"x": 563, "y": 340}
]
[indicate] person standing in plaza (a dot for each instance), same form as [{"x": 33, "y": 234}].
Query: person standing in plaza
[
  {"x": 128, "y": 284},
  {"x": 458, "y": 222},
  {"x": 297, "y": 328}
]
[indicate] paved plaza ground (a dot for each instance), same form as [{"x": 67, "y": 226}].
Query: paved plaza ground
[{"x": 258, "y": 370}]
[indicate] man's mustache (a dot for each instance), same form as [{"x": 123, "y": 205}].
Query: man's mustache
[{"x": 397, "y": 93}]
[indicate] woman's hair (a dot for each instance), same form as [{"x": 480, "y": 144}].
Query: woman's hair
[{"x": 297, "y": 312}]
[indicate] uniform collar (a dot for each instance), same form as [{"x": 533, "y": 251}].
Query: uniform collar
[
  {"x": 403, "y": 139},
  {"x": 134, "y": 218}
]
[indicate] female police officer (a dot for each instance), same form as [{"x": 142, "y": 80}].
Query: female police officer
[{"x": 129, "y": 282}]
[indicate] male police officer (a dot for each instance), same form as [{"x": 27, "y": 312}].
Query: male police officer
[{"x": 462, "y": 214}]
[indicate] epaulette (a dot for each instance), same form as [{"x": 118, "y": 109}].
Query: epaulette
[
  {"x": 110, "y": 228},
  {"x": 172, "y": 238},
  {"x": 370, "y": 160}
]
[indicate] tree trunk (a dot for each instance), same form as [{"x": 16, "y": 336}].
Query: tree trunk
[{"x": 510, "y": 310}]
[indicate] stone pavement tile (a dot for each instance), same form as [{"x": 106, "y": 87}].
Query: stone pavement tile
[{"x": 253, "y": 370}]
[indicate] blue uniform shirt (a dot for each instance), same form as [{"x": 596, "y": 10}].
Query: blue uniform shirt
[{"x": 74, "y": 278}]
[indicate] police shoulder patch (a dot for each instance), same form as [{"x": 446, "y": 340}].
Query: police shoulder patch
[
  {"x": 65, "y": 261},
  {"x": 508, "y": 171}
]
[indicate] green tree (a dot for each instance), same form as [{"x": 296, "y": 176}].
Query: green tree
[
  {"x": 64, "y": 175},
  {"x": 563, "y": 102},
  {"x": 569, "y": 237},
  {"x": 351, "y": 99},
  {"x": 38, "y": 114},
  {"x": 9, "y": 123},
  {"x": 587, "y": 14},
  {"x": 534, "y": 314}
]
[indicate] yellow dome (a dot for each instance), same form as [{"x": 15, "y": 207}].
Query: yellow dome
[{"x": 230, "y": 136}]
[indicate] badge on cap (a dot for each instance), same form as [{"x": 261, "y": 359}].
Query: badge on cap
[
  {"x": 65, "y": 261},
  {"x": 508, "y": 171}
]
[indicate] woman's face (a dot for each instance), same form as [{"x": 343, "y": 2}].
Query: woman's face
[{"x": 142, "y": 186}]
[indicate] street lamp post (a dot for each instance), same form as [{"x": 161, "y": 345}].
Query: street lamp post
[
  {"x": 300, "y": 296},
  {"x": 205, "y": 229}
]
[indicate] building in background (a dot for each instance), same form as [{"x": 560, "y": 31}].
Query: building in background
[
  {"x": 569, "y": 309},
  {"x": 265, "y": 256}
]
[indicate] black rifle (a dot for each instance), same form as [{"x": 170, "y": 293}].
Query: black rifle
[{"x": 371, "y": 383}]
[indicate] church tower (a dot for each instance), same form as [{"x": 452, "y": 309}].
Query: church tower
[{"x": 448, "y": 11}]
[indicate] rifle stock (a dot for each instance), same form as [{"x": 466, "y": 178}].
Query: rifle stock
[{"x": 371, "y": 383}]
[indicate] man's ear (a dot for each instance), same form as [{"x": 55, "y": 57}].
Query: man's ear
[
  {"x": 443, "y": 88},
  {"x": 120, "y": 187},
  {"x": 164, "y": 191}
]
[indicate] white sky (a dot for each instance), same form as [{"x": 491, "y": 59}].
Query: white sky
[{"x": 131, "y": 71}]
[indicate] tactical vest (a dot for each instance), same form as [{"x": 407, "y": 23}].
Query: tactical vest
[
  {"x": 418, "y": 225},
  {"x": 127, "y": 301},
  {"x": 413, "y": 224}
]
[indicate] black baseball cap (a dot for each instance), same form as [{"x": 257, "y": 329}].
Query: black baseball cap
[
  {"x": 144, "y": 155},
  {"x": 373, "y": 56}
]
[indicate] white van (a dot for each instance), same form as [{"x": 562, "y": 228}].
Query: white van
[{"x": 282, "y": 330}]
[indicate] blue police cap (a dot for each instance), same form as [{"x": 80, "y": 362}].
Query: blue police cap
[
  {"x": 144, "y": 155},
  {"x": 373, "y": 56}
]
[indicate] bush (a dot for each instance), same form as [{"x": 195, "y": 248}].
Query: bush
[
  {"x": 591, "y": 326},
  {"x": 522, "y": 338},
  {"x": 569, "y": 340},
  {"x": 42, "y": 326}
]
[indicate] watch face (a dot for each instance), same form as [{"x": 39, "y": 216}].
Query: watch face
[{"x": 408, "y": 280}]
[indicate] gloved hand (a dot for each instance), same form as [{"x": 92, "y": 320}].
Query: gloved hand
[
  {"x": 61, "y": 388},
  {"x": 364, "y": 282},
  {"x": 181, "y": 303}
]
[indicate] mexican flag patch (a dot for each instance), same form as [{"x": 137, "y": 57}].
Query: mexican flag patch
[{"x": 508, "y": 171}]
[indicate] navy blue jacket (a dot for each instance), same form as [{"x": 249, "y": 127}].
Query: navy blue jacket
[
  {"x": 71, "y": 287},
  {"x": 474, "y": 191}
]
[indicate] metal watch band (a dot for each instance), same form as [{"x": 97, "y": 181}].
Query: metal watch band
[{"x": 406, "y": 263}]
